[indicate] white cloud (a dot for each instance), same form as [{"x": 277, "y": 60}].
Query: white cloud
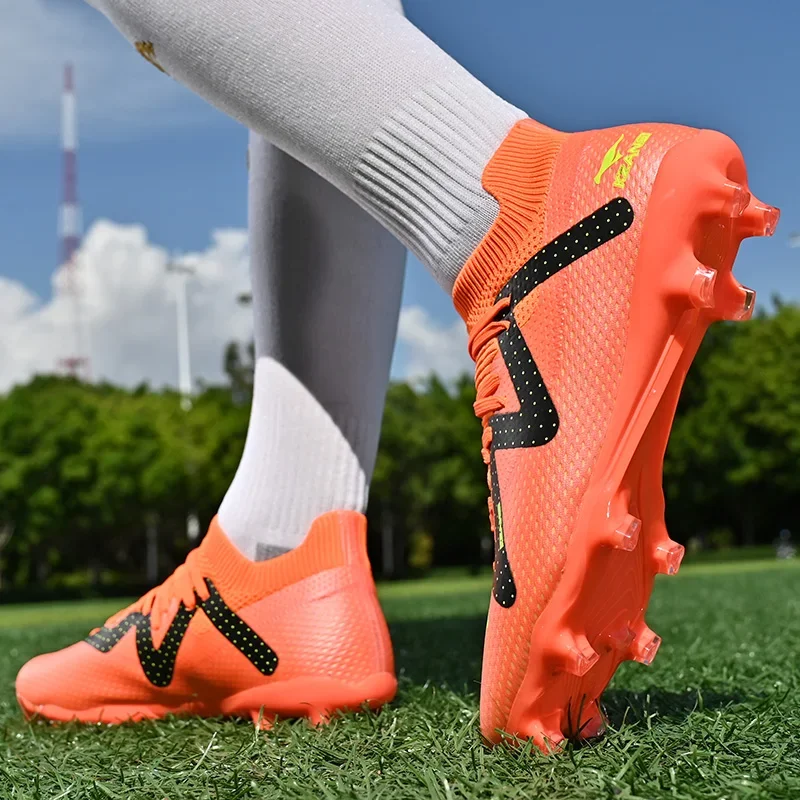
[
  {"x": 119, "y": 93},
  {"x": 128, "y": 304},
  {"x": 129, "y": 316},
  {"x": 432, "y": 346}
]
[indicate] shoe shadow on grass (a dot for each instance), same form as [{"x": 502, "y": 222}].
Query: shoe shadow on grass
[
  {"x": 442, "y": 652},
  {"x": 623, "y": 707},
  {"x": 447, "y": 652}
]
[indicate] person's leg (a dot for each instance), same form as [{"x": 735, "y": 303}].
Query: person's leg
[
  {"x": 327, "y": 281},
  {"x": 351, "y": 89}
]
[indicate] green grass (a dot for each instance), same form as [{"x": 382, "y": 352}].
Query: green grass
[{"x": 717, "y": 716}]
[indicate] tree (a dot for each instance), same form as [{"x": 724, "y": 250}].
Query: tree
[
  {"x": 239, "y": 365},
  {"x": 732, "y": 459},
  {"x": 84, "y": 467},
  {"x": 430, "y": 481}
]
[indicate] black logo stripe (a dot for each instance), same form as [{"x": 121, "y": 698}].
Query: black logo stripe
[
  {"x": 504, "y": 588},
  {"x": 537, "y": 422},
  {"x": 158, "y": 664},
  {"x": 239, "y": 633}
]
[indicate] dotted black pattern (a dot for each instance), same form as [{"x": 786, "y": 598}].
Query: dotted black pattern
[
  {"x": 158, "y": 665},
  {"x": 239, "y": 633},
  {"x": 504, "y": 589},
  {"x": 536, "y": 423}
]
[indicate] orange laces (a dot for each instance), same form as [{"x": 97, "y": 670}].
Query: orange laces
[
  {"x": 483, "y": 347},
  {"x": 183, "y": 586}
]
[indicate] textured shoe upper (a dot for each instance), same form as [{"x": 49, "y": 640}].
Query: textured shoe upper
[{"x": 546, "y": 298}]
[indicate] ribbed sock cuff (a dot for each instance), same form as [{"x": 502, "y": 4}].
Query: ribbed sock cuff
[{"x": 421, "y": 172}]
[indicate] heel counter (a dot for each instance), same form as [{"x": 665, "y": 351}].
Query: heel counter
[
  {"x": 353, "y": 532},
  {"x": 341, "y": 597},
  {"x": 375, "y": 622},
  {"x": 327, "y": 624}
]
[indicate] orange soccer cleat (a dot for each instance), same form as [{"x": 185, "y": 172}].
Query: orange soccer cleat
[
  {"x": 585, "y": 304},
  {"x": 300, "y": 635}
]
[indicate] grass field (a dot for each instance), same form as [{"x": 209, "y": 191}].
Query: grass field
[{"x": 717, "y": 716}]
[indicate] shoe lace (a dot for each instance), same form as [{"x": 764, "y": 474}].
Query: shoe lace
[
  {"x": 483, "y": 347},
  {"x": 185, "y": 585}
]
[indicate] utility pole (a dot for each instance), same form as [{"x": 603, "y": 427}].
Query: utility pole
[
  {"x": 76, "y": 363},
  {"x": 182, "y": 273},
  {"x": 387, "y": 543}
]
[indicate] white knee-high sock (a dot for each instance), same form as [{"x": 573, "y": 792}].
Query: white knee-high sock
[
  {"x": 327, "y": 281},
  {"x": 354, "y": 91}
]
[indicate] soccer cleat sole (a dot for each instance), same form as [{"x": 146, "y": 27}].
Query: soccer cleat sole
[
  {"x": 316, "y": 699},
  {"x": 698, "y": 213}
]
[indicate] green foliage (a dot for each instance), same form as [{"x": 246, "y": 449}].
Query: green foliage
[
  {"x": 83, "y": 467},
  {"x": 732, "y": 459},
  {"x": 429, "y": 478},
  {"x": 239, "y": 365}
]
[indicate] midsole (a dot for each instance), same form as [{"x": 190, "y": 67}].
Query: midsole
[{"x": 297, "y": 697}]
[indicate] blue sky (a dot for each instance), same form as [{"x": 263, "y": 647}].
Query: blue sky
[{"x": 178, "y": 167}]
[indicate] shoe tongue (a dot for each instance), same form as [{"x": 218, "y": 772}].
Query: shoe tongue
[{"x": 518, "y": 176}]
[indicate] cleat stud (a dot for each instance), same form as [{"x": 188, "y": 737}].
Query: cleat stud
[
  {"x": 669, "y": 557},
  {"x": 261, "y": 721},
  {"x": 760, "y": 219},
  {"x": 317, "y": 717},
  {"x": 701, "y": 289},
  {"x": 545, "y": 732},
  {"x": 646, "y": 646},
  {"x": 578, "y": 656},
  {"x": 592, "y": 724},
  {"x": 618, "y": 635},
  {"x": 739, "y": 305},
  {"x": 626, "y": 536},
  {"x": 583, "y": 663},
  {"x": 747, "y": 303},
  {"x": 772, "y": 217},
  {"x": 623, "y": 638},
  {"x": 740, "y": 199},
  {"x": 550, "y": 742}
]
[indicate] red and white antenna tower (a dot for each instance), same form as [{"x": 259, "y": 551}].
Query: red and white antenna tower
[{"x": 70, "y": 225}]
